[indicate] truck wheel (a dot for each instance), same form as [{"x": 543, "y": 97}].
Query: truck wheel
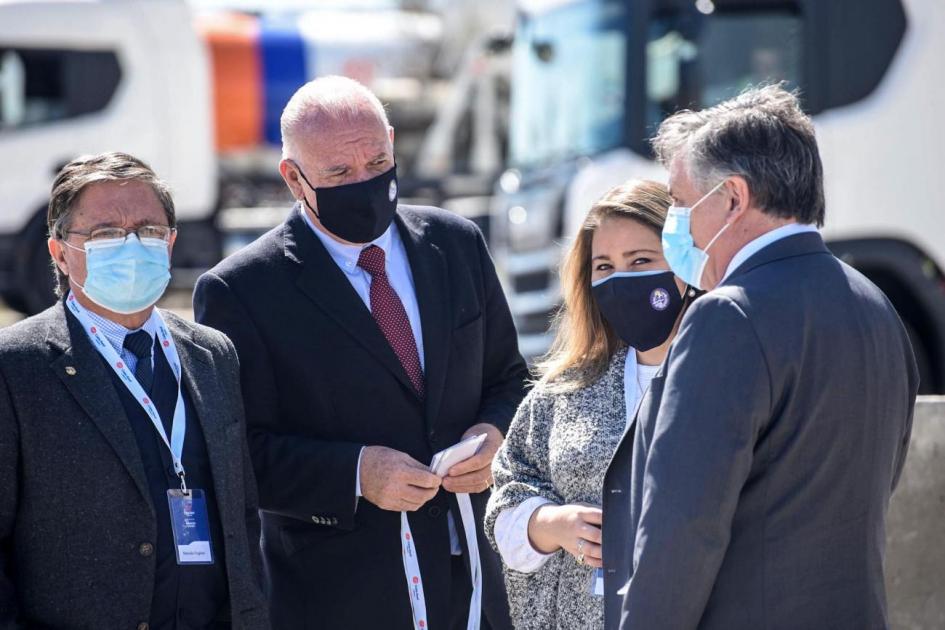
[
  {"x": 39, "y": 294},
  {"x": 927, "y": 384},
  {"x": 35, "y": 284}
]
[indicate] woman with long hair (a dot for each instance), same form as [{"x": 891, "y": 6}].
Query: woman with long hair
[{"x": 621, "y": 308}]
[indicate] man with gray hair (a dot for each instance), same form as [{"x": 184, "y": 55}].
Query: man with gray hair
[
  {"x": 755, "y": 483},
  {"x": 127, "y": 497},
  {"x": 372, "y": 335}
]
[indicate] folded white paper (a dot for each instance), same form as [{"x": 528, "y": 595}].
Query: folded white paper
[{"x": 447, "y": 458}]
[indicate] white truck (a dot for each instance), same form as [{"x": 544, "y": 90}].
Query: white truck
[
  {"x": 194, "y": 88},
  {"x": 592, "y": 79}
]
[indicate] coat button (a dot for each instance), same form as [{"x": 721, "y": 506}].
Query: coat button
[
  {"x": 146, "y": 549},
  {"x": 143, "y": 626},
  {"x": 434, "y": 511}
]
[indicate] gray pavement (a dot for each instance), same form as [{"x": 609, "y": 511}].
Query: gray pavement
[{"x": 915, "y": 541}]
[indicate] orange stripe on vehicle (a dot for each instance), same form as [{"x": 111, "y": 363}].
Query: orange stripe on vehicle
[{"x": 232, "y": 41}]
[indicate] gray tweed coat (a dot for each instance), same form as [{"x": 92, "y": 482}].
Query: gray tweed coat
[{"x": 558, "y": 447}]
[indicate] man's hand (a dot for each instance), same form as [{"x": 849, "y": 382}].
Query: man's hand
[
  {"x": 475, "y": 474},
  {"x": 394, "y": 481}
]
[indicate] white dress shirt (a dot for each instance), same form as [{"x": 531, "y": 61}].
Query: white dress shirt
[
  {"x": 401, "y": 280},
  {"x": 511, "y": 526},
  {"x": 763, "y": 241}
]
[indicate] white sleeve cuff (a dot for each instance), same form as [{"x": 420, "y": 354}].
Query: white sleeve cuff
[
  {"x": 357, "y": 475},
  {"x": 511, "y": 537}
]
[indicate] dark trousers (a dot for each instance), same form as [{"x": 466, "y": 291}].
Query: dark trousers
[{"x": 459, "y": 597}]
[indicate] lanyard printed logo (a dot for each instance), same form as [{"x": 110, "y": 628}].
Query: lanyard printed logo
[{"x": 418, "y": 604}]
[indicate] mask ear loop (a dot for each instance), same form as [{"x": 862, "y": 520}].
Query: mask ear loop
[
  {"x": 707, "y": 195},
  {"x": 705, "y": 251},
  {"x": 304, "y": 199},
  {"x": 78, "y": 249},
  {"x": 716, "y": 237},
  {"x": 720, "y": 232}
]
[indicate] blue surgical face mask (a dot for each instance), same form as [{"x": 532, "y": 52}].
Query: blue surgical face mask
[
  {"x": 685, "y": 259},
  {"x": 125, "y": 275}
]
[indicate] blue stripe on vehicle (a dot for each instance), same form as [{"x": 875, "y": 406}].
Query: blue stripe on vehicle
[{"x": 283, "y": 67}]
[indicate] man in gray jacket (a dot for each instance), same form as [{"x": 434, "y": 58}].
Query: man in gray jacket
[
  {"x": 755, "y": 485},
  {"x": 127, "y": 499}
]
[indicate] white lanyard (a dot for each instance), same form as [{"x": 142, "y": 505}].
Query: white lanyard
[
  {"x": 179, "y": 426},
  {"x": 412, "y": 568}
]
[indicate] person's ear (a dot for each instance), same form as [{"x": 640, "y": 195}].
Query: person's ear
[
  {"x": 290, "y": 175},
  {"x": 58, "y": 253},
  {"x": 740, "y": 197},
  {"x": 390, "y": 132}
]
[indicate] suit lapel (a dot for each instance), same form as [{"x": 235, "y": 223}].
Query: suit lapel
[
  {"x": 430, "y": 278},
  {"x": 81, "y": 369},
  {"x": 325, "y": 284},
  {"x": 202, "y": 386}
]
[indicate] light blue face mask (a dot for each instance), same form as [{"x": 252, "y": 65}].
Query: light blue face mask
[
  {"x": 685, "y": 259},
  {"x": 125, "y": 275}
]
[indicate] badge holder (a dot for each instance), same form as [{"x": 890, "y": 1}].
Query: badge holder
[
  {"x": 191, "y": 525},
  {"x": 595, "y": 583}
]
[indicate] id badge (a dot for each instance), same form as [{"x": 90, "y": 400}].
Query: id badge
[
  {"x": 191, "y": 526},
  {"x": 595, "y": 585}
]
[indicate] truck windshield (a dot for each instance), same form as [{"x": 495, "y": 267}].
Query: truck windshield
[
  {"x": 569, "y": 82},
  {"x": 697, "y": 57}
]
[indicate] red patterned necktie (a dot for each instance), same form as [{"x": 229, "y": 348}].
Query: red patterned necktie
[{"x": 389, "y": 313}]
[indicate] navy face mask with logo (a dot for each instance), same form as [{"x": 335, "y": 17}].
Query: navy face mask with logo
[
  {"x": 357, "y": 213},
  {"x": 641, "y": 306}
]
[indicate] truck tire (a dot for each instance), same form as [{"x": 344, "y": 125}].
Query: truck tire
[
  {"x": 35, "y": 283},
  {"x": 927, "y": 383}
]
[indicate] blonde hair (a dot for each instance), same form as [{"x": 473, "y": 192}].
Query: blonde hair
[{"x": 584, "y": 342}]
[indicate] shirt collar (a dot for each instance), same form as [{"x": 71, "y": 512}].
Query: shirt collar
[
  {"x": 346, "y": 256},
  {"x": 116, "y": 333},
  {"x": 763, "y": 241}
]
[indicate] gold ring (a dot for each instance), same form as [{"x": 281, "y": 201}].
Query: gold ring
[{"x": 581, "y": 559}]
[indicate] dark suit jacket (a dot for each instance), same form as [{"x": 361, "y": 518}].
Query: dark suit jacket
[
  {"x": 76, "y": 518},
  {"x": 765, "y": 454},
  {"x": 320, "y": 381}
]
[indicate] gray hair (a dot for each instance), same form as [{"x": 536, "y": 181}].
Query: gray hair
[
  {"x": 92, "y": 169},
  {"x": 762, "y": 135},
  {"x": 323, "y": 101}
]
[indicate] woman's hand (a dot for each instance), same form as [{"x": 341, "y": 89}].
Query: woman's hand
[{"x": 574, "y": 527}]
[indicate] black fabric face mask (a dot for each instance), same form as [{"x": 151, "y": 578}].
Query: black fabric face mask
[
  {"x": 357, "y": 213},
  {"x": 642, "y": 307}
]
